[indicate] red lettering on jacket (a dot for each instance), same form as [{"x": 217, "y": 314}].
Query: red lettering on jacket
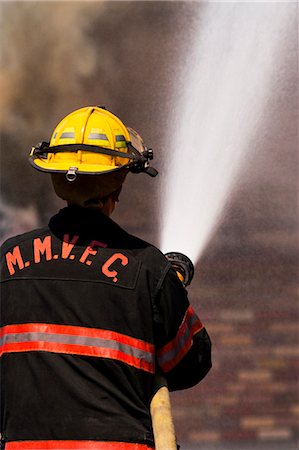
[
  {"x": 14, "y": 258},
  {"x": 68, "y": 246},
  {"x": 106, "y": 266},
  {"x": 42, "y": 247},
  {"x": 90, "y": 250}
]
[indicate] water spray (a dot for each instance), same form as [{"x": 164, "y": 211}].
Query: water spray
[{"x": 234, "y": 66}]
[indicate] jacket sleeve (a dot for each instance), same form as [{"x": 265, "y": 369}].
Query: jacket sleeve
[{"x": 182, "y": 342}]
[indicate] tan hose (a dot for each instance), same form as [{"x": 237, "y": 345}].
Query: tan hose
[
  {"x": 162, "y": 422},
  {"x": 163, "y": 427}
]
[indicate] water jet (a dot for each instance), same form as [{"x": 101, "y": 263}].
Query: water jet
[{"x": 232, "y": 71}]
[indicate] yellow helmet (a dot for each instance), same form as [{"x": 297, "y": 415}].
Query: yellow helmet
[{"x": 92, "y": 140}]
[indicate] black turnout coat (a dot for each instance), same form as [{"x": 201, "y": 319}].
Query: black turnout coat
[{"x": 89, "y": 314}]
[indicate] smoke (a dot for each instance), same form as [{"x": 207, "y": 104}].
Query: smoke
[
  {"x": 59, "y": 56},
  {"x": 14, "y": 221},
  {"x": 45, "y": 55}
]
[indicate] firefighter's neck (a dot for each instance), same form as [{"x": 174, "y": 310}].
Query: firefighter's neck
[{"x": 105, "y": 207}]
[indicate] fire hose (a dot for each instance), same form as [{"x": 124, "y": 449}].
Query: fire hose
[{"x": 160, "y": 408}]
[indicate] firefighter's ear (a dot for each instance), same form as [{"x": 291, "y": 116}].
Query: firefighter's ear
[
  {"x": 115, "y": 195},
  {"x": 110, "y": 201}
]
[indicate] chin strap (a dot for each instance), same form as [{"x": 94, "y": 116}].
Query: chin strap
[{"x": 139, "y": 161}]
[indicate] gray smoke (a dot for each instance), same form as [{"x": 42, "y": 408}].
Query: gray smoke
[
  {"x": 45, "y": 57},
  {"x": 59, "y": 56}
]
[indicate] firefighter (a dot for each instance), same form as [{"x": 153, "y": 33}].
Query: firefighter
[{"x": 90, "y": 313}]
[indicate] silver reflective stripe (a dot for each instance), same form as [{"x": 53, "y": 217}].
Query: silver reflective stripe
[
  {"x": 77, "y": 340},
  {"x": 120, "y": 137},
  {"x": 180, "y": 343},
  {"x": 99, "y": 136},
  {"x": 67, "y": 135}
]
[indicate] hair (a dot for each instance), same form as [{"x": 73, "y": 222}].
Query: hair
[{"x": 88, "y": 190}]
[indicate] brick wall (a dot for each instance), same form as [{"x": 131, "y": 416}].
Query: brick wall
[{"x": 246, "y": 294}]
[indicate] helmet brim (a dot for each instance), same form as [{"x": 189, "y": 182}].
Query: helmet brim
[{"x": 64, "y": 166}]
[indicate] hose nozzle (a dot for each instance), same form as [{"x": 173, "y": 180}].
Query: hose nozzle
[{"x": 182, "y": 265}]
